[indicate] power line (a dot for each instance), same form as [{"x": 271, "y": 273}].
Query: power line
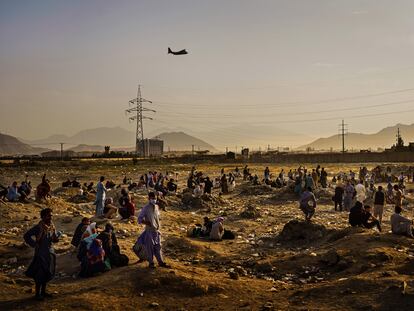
[{"x": 139, "y": 109}]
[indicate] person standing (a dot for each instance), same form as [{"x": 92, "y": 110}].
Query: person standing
[
  {"x": 398, "y": 196},
  {"x": 43, "y": 266},
  {"x": 379, "y": 203},
  {"x": 360, "y": 191},
  {"x": 151, "y": 237},
  {"x": 324, "y": 178},
  {"x": 100, "y": 197},
  {"x": 348, "y": 196},
  {"x": 339, "y": 192}
]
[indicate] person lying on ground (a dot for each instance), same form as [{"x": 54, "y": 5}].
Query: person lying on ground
[
  {"x": 400, "y": 224},
  {"x": 80, "y": 229},
  {"x": 307, "y": 203}
]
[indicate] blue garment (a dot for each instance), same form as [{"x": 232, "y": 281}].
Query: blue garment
[
  {"x": 12, "y": 194},
  {"x": 100, "y": 199}
]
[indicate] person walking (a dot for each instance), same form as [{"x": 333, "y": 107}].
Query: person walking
[{"x": 100, "y": 197}]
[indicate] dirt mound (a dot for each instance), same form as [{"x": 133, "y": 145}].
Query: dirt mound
[
  {"x": 250, "y": 212},
  {"x": 284, "y": 194},
  {"x": 296, "y": 230},
  {"x": 324, "y": 195},
  {"x": 248, "y": 190},
  {"x": 206, "y": 201}
]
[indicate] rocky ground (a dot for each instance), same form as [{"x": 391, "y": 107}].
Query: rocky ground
[{"x": 276, "y": 262}]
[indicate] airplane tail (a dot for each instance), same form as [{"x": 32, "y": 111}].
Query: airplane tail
[{"x": 169, "y": 51}]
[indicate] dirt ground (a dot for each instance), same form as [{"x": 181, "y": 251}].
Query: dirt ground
[{"x": 332, "y": 267}]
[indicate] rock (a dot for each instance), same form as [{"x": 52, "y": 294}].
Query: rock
[
  {"x": 233, "y": 275},
  {"x": 26, "y": 218},
  {"x": 240, "y": 271},
  {"x": 301, "y": 230},
  {"x": 66, "y": 220},
  {"x": 264, "y": 267},
  {"x": 250, "y": 212},
  {"x": 330, "y": 258},
  {"x": 154, "y": 305}
]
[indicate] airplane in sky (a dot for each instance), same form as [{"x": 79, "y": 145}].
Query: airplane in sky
[{"x": 182, "y": 52}]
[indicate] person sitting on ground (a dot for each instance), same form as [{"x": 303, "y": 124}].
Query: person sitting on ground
[
  {"x": 95, "y": 260},
  {"x": 255, "y": 180},
  {"x": 88, "y": 236},
  {"x": 206, "y": 228},
  {"x": 75, "y": 183},
  {"x": 111, "y": 247},
  {"x": 306, "y": 198},
  {"x": 401, "y": 225},
  {"x": 25, "y": 189},
  {"x": 198, "y": 191},
  {"x": 367, "y": 216},
  {"x": 379, "y": 203},
  {"x": 109, "y": 209},
  {"x": 217, "y": 229},
  {"x": 190, "y": 182},
  {"x": 172, "y": 186},
  {"x": 67, "y": 183},
  {"x": 128, "y": 210},
  {"x": 13, "y": 194},
  {"x": 110, "y": 184},
  {"x": 360, "y": 216},
  {"x": 43, "y": 190},
  {"x": 80, "y": 229}
]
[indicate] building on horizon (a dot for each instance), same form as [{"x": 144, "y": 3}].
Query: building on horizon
[{"x": 152, "y": 148}]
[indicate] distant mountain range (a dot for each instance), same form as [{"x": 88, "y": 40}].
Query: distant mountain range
[
  {"x": 10, "y": 145},
  {"x": 383, "y": 139},
  {"x": 180, "y": 141},
  {"x": 120, "y": 139}
]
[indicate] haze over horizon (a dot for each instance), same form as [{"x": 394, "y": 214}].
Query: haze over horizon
[{"x": 69, "y": 66}]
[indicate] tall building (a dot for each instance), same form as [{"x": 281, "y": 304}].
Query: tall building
[{"x": 153, "y": 147}]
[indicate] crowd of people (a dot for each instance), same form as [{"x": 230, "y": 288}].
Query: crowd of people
[{"x": 360, "y": 194}]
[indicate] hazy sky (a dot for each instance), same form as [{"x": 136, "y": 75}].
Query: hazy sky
[{"x": 73, "y": 65}]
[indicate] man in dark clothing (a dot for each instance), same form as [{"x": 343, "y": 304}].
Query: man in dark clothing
[
  {"x": 43, "y": 266},
  {"x": 172, "y": 186},
  {"x": 208, "y": 185},
  {"x": 379, "y": 203},
  {"x": 360, "y": 216},
  {"x": 80, "y": 229},
  {"x": 190, "y": 182},
  {"x": 339, "y": 192}
]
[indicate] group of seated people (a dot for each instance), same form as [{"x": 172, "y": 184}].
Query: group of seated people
[
  {"x": 213, "y": 230},
  {"x": 15, "y": 193},
  {"x": 126, "y": 206},
  {"x": 360, "y": 215},
  {"x": 74, "y": 183},
  {"x": 97, "y": 251}
]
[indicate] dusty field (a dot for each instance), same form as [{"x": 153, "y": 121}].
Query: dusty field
[{"x": 341, "y": 268}]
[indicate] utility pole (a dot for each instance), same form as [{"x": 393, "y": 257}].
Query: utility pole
[
  {"x": 139, "y": 109},
  {"x": 61, "y": 151},
  {"x": 343, "y": 131},
  {"x": 192, "y": 151},
  {"x": 227, "y": 150}
]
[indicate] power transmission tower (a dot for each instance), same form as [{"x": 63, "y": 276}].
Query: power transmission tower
[
  {"x": 139, "y": 110},
  {"x": 343, "y": 131}
]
